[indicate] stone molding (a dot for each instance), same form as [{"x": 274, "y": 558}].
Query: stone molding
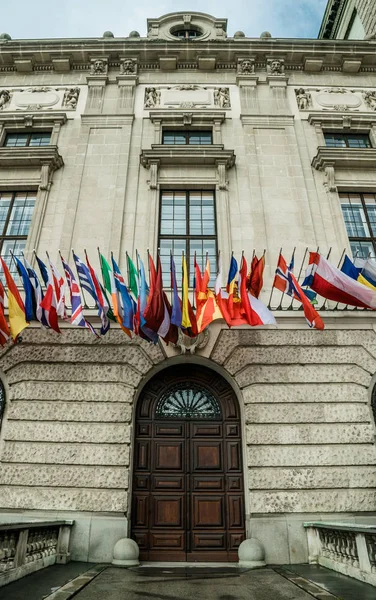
[
  {"x": 105, "y": 120},
  {"x": 267, "y": 120},
  {"x": 20, "y": 120},
  {"x": 46, "y": 157},
  {"x": 186, "y": 118},
  {"x": 187, "y": 155},
  {"x": 344, "y": 158},
  {"x": 340, "y": 122}
]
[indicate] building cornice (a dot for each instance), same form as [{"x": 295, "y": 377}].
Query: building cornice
[
  {"x": 192, "y": 155},
  {"x": 45, "y": 55},
  {"x": 31, "y": 157},
  {"x": 332, "y": 18},
  {"x": 351, "y": 158}
]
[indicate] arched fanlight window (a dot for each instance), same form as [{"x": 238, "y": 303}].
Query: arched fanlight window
[
  {"x": 2, "y": 401},
  {"x": 373, "y": 403},
  {"x": 188, "y": 401}
]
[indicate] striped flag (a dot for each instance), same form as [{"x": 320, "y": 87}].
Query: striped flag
[
  {"x": 77, "y": 316},
  {"x": 17, "y": 317},
  {"x": 58, "y": 280},
  {"x": 87, "y": 284},
  {"x": 128, "y": 303},
  {"x": 4, "y": 327},
  {"x": 48, "y": 302}
]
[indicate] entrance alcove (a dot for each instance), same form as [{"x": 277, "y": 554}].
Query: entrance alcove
[{"x": 188, "y": 499}]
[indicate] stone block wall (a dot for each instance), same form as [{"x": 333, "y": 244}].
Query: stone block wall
[{"x": 308, "y": 435}]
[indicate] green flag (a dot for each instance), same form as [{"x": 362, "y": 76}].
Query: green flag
[{"x": 133, "y": 278}]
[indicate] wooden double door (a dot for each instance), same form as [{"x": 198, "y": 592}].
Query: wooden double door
[{"x": 188, "y": 496}]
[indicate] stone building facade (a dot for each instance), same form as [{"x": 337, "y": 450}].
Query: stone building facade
[
  {"x": 299, "y": 438},
  {"x": 349, "y": 20}
]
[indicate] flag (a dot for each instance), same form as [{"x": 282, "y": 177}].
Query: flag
[
  {"x": 354, "y": 272},
  {"x": 231, "y": 287},
  {"x": 29, "y": 302},
  {"x": 48, "y": 303},
  {"x": 185, "y": 320},
  {"x": 255, "y": 279},
  {"x": 176, "y": 313},
  {"x": 246, "y": 307},
  {"x": 286, "y": 282},
  {"x": 331, "y": 283},
  {"x": 110, "y": 286},
  {"x": 87, "y": 284},
  {"x": 367, "y": 268},
  {"x": 58, "y": 280},
  {"x": 207, "y": 309},
  {"x": 141, "y": 306},
  {"x": 133, "y": 277},
  {"x": 263, "y": 313},
  {"x": 155, "y": 310},
  {"x": 38, "y": 293},
  {"x": 17, "y": 317},
  {"x": 4, "y": 327},
  {"x": 77, "y": 316},
  {"x": 102, "y": 303},
  {"x": 128, "y": 303}
]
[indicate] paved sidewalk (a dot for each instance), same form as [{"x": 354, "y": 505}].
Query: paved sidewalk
[{"x": 120, "y": 584}]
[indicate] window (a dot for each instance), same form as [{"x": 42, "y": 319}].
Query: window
[
  {"x": 186, "y": 34},
  {"x": 347, "y": 140},
  {"x": 16, "y": 211},
  {"x": 20, "y": 140},
  {"x": 2, "y": 401},
  {"x": 188, "y": 402},
  {"x": 182, "y": 138},
  {"x": 187, "y": 224},
  {"x": 359, "y": 213}
]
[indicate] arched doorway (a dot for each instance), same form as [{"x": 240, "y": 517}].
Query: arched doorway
[{"x": 188, "y": 491}]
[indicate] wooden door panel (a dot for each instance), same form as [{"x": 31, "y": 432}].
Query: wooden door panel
[
  {"x": 142, "y": 455},
  {"x": 233, "y": 456},
  {"x": 168, "y": 511},
  {"x": 168, "y": 482},
  {"x": 235, "y": 483},
  {"x": 208, "y": 483},
  {"x": 207, "y": 456},
  {"x": 168, "y": 456},
  {"x": 206, "y": 430},
  {"x": 174, "y": 540},
  {"x": 235, "y": 510},
  {"x": 141, "y": 510},
  {"x": 209, "y": 541},
  {"x": 142, "y": 482},
  {"x": 208, "y": 511},
  {"x": 169, "y": 430},
  {"x": 235, "y": 539}
]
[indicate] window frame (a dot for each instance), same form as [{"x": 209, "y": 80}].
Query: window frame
[
  {"x": 345, "y": 136},
  {"x": 16, "y": 238},
  {"x": 186, "y": 133},
  {"x": 187, "y": 236},
  {"x": 29, "y": 135},
  {"x": 372, "y": 237}
]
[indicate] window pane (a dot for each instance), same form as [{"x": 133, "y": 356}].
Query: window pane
[
  {"x": 200, "y": 137},
  {"x": 355, "y": 221},
  {"x": 16, "y": 139},
  {"x": 40, "y": 139},
  {"x": 17, "y": 247},
  {"x": 174, "y": 137},
  {"x": 5, "y": 200},
  {"x": 20, "y": 216},
  {"x": 362, "y": 249},
  {"x": 333, "y": 140}
]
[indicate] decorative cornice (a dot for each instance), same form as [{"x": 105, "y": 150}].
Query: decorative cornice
[
  {"x": 105, "y": 120},
  {"x": 31, "y": 157},
  {"x": 188, "y": 155},
  {"x": 352, "y": 158},
  {"x": 37, "y": 119},
  {"x": 333, "y": 120},
  {"x": 181, "y": 117},
  {"x": 332, "y": 17}
]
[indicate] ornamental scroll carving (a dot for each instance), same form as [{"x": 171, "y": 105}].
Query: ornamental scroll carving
[
  {"x": 187, "y": 96},
  {"x": 4, "y": 98},
  {"x": 370, "y": 99}
]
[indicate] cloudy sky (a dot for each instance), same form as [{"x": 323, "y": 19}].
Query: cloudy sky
[{"x": 90, "y": 18}]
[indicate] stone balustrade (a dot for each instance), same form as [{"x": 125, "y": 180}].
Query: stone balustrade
[
  {"x": 30, "y": 546},
  {"x": 347, "y": 548}
]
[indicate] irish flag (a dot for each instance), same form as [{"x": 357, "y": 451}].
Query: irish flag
[{"x": 17, "y": 319}]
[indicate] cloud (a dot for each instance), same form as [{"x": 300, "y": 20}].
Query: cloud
[{"x": 90, "y": 18}]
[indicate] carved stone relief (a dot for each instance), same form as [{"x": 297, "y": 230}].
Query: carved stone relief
[
  {"x": 39, "y": 98},
  {"x": 370, "y": 99},
  {"x": 187, "y": 96},
  {"x": 128, "y": 66},
  {"x": 275, "y": 66},
  {"x": 246, "y": 66},
  {"x": 338, "y": 99},
  {"x": 222, "y": 97},
  {"x": 4, "y": 98},
  {"x": 98, "y": 66},
  {"x": 303, "y": 99},
  {"x": 70, "y": 98}
]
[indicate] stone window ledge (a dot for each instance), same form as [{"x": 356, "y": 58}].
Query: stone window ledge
[
  {"x": 31, "y": 157},
  {"x": 188, "y": 155},
  {"x": 362, "y": 158}
]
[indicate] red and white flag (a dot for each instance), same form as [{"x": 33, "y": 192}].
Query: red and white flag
[{"x": 4, "y": 327}]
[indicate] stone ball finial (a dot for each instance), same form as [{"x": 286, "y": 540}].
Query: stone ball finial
[
  {"x": 134, "y": 34},
  {"x": 5, "y": 36},
  {"x": 126, "y": 553},
  {"x": 108, "y": 34},
  {"x": 239, "y": 34},
  {"x": 251, "y": 554},
  {"x": 266, "y": 35}
]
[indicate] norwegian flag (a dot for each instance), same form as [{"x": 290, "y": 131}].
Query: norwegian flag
[
  {"x": 58, "y": 280},
  {"x": 4, "y": 327},
  {"x": 286, "y": 282},
  {"x": 48, "y": 303},
  {"x": 77, "y": 317}
]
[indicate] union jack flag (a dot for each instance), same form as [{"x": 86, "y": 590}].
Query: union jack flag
[
  {"x": 87, "y": 284},
  {"x": 77, "y": 317}
]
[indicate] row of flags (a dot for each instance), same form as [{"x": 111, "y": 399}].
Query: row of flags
[{"x": 141, "y": 307}]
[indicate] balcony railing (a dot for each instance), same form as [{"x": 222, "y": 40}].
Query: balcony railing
[
  {"x": 30, "y": 546},
  {"x": 347, "y": 548}
]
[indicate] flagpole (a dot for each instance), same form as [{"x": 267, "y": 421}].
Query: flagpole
[
  {"x": 291, "y": 263},
  {"x": 272, "y": 290},
  {"x": 35, "y": 254}
]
